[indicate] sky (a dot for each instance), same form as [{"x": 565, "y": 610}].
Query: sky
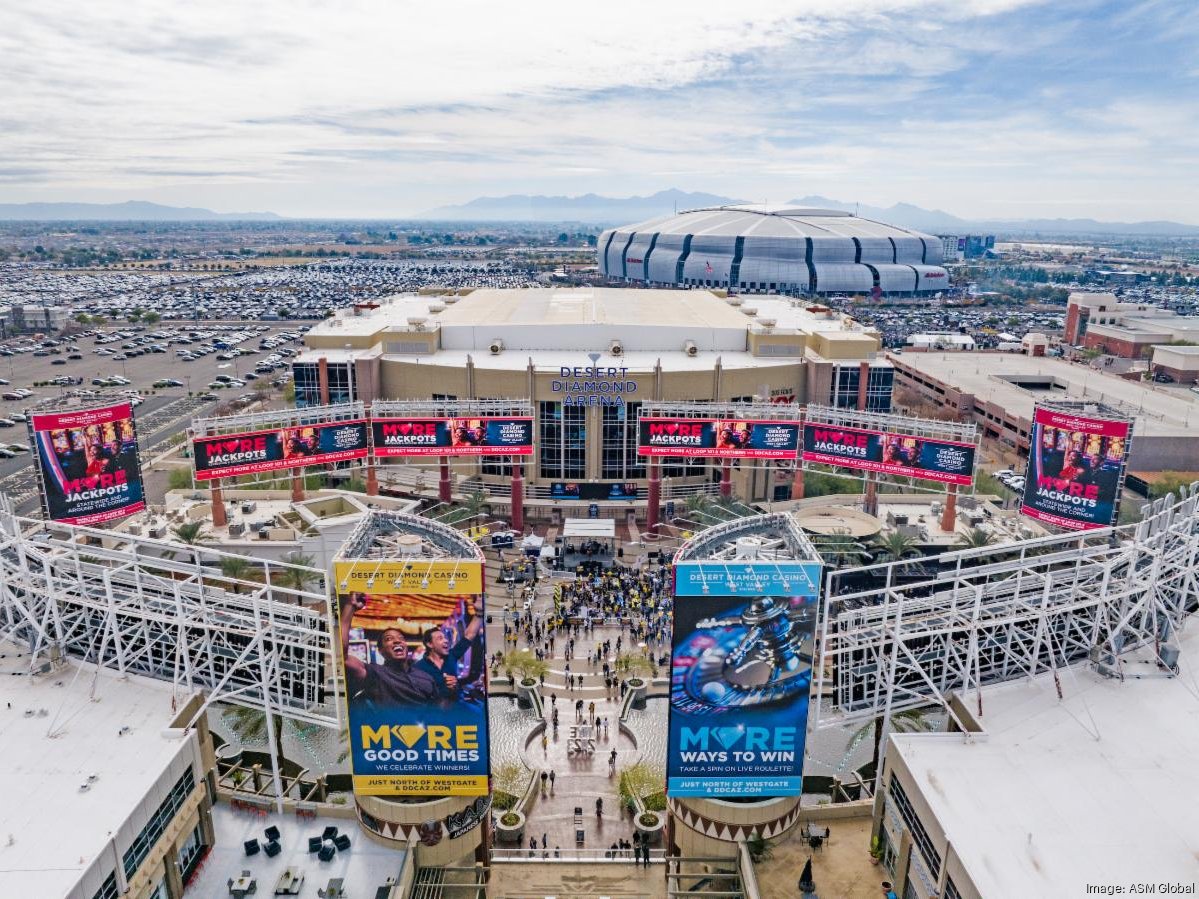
[{"x": 982, "y": 108}]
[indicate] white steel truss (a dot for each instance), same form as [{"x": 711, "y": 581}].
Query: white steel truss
[
  {"x": 167, "y": 610},
  {"x": 905, "y": 635}
]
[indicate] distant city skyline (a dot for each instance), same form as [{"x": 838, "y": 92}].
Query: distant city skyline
[{"x": 996, "y": 109}]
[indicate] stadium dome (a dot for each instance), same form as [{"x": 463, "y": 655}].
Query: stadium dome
[{"x": 765, "y": 249}]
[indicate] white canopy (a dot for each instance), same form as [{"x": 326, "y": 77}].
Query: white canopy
[{"x": 589, "y": 529}]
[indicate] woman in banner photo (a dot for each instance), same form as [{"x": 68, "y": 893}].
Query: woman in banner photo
[
  {"x": 732, "y": 435},
  {"x": 902, "y": 451},
  {"x": 298, "y": 442},
  {"x": 468, "y": 432},
  {"x": 445, "y": 666}
]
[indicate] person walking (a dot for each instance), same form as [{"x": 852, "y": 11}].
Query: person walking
[
  {"x": 599, "y": 807},
  {"x": 553, "y": 777},
  {"x": 544, "y": 782},
  {"x": 545, "y": 745}
]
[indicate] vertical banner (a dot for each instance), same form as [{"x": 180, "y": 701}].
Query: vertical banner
[
  {"x": 741, "y": 673},
  {"x": 1075, "y": 469},
  {"x": 412, "y": 642},
  {"x": 88, "y": 459}
]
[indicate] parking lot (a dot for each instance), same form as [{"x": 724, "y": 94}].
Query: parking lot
[{"x": 100, "y": 357}]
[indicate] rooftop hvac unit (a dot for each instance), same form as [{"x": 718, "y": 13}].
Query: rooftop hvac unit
[
  {"x": 749, "y": 310},
  {"x": 437, "y": 307},
  {"x": 450, "y": 299},
  {"x": 616, "y": 348},
  {"x": 734, "y": 301},
  {"x": 748, "y": 547},
  {"x": 158, "y": 532},
  {"x": 768, "y": 322},
  {"x": 496, "y": 346},
  {"x": 417, "y": 322},
  {"x": 690, "y": 348}
]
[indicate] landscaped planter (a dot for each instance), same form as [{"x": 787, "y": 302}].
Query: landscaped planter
[
  {"x": 638, "y": 687},
  {"x": 510, "y": 827},
  {"x": 524, "y": 692},
  {"x": 650, "y": 825}
]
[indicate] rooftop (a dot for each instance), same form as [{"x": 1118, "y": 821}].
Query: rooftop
[
  {"x": 1058, "y": 793},
  {"x": 61, "y": 730},
  {"x": 656, "y": 324},
  {"x": 992, "y": 377}
]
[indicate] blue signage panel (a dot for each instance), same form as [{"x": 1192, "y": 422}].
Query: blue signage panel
[
  {"x": 741, "y": 673},
  {"x": 733, "y": 578}
]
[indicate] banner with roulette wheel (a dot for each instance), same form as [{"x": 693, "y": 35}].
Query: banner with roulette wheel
[{"x": 741, "y": 673}]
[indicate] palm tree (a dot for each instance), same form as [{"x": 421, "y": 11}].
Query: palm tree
[
  {"x": 696, "y": 504},
  {"x": 299, "y": 577},
  {"x": 191, "y": 533},
  {"x": 909, "y": 721},
  {"x": 895, "y": 546},
  {"x": 474, "y": 504},
  {"x": 975, "y": 538},
  {"x": 250, "y": 727},
  {"x": 238, "y": 569},
  {"x": 839, "y": 549}
]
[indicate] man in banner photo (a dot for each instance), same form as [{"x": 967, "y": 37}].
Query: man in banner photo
[
  {"x": 415, "y": 677},
  {"x": 89, "y": 464}
]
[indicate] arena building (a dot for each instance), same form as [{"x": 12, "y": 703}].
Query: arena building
[
  {"x": 999, "y": 391},
  {"x": 587, "y": 359},
  {"x": 767, "y": 249}
]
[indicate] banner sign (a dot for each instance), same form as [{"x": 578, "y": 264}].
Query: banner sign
[
  {"x": 89, "y": 465},
  {"x": 755, "y": 579},
  {"x": 452, "y": 437},
  {"x": 259, "y": 451},
  {"x": 741, "y": 674},
  {"x": 719, "y": 438},
  {"x": 583, "y": 490},
  {"x": 370, "y": 576},
  {"x": 1075, "y": 467},
  {"x": 415, "y": 666},
  {"x": 947, "y": 461}
]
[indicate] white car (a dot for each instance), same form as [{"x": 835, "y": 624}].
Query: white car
[
  {"x": 1016, "y": 484},
  {"x": 1004, "y": 473}
]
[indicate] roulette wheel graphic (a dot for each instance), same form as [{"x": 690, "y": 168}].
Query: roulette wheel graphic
[{"x": 753, "y": 656}]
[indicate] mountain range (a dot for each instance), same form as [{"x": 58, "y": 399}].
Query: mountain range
[
  {"x": 599, "y": 210},
  {"x": 594, "y": 209},
  {"x": 131, "y": 211}
]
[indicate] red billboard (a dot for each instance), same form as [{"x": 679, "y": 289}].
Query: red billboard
[
  {"x": 947, "y": 461},
  {"x": 475, "y": 436},
  {"x": 88, "y": 459},
  {"x": 718, "y": 438},
  {"x": 1075, "y": 469},
  {"x": 253, "y": 452}
]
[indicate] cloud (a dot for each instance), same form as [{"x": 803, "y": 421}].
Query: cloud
[{"x": 303, "y": 106}]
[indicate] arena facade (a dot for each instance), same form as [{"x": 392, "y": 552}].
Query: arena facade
[
  {"x": 765, "y": 249},
  {"x": 587, "y": 359}
]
